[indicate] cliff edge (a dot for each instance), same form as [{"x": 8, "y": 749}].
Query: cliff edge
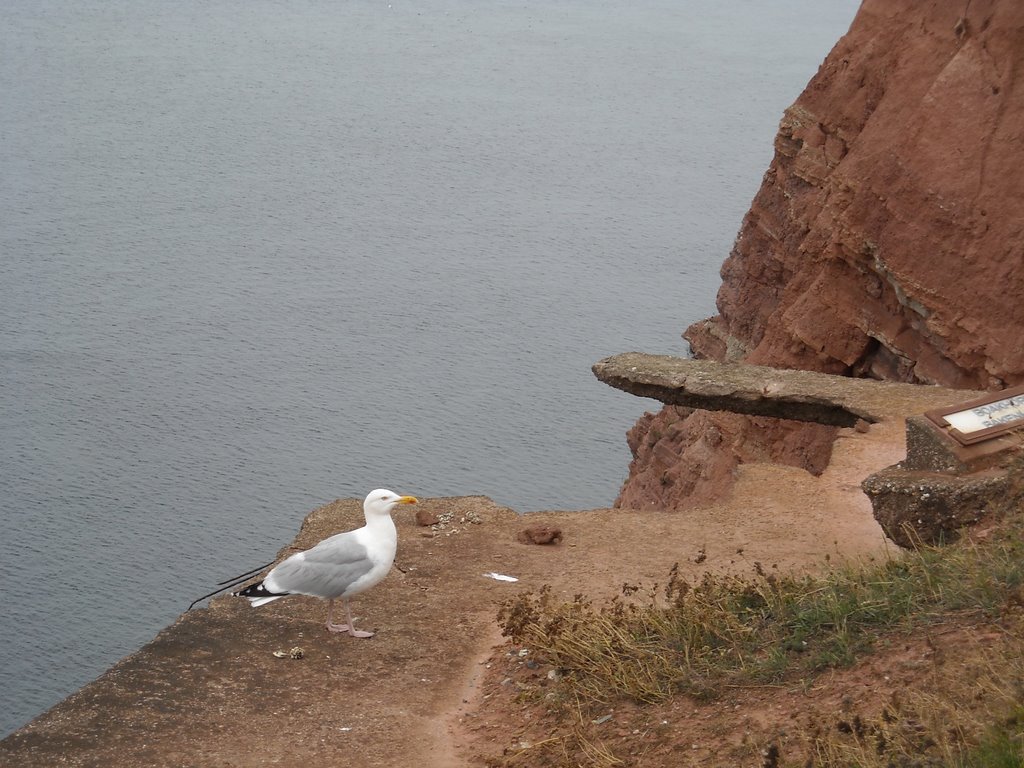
[
  {"x": 222, "y": 686},
  {"x": 886, "y": 240}
]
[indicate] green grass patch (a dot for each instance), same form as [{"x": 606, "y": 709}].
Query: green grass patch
[{"x": 731, "y": 630}]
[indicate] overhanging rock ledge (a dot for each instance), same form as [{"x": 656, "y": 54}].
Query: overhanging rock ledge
[{"x": 763, "y": 391}]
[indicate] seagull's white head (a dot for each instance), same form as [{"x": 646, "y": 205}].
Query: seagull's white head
[{"x": 382, "y": 501}]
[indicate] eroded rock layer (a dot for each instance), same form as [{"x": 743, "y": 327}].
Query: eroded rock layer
[{"x": 887, "y": 239}]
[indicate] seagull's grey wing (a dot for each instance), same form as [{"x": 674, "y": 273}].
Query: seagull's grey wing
[{"x": 326, "y": 570}]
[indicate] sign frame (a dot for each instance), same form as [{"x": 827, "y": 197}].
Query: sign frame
[{"x": 938, "y": 417}]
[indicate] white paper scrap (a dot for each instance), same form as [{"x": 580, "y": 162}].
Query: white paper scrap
[{"x": 500, "y": 577}]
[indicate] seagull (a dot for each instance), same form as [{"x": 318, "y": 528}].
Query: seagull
[{"x": 340, "y": 566}]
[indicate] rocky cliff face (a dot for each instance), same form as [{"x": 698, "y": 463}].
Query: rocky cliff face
[{"x": 887, "y": 239}]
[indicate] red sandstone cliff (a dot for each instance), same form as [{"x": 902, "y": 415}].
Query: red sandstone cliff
[{"x": 887, "y": 239}]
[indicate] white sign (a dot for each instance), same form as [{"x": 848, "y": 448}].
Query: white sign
[{"x": 988, "y": 415}]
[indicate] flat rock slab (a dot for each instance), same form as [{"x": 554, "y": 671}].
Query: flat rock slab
[{"x": 761, "y": 391}]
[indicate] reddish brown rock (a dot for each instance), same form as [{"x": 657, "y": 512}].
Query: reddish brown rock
[
  {"x": 887, "y": 239},
  {"x": 540, "y": 534},
  {"x": 683, "y": 457},
  {"x": 425, "y": 517}
]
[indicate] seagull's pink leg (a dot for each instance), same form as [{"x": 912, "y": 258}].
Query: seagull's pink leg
[
  {"x": 331, "y": 626},
  {"x": 351, "y": 625}
]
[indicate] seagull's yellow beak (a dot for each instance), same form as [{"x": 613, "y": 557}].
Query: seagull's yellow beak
[{"x": 408, "y": 500}]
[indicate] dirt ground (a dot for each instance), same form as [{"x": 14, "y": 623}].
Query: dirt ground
[
  {"x": 436, "y": 686},
  {"x": 511, "y": 724}
]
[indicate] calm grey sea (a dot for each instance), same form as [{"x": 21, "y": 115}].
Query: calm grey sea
[{"x": 256, "y": 255}]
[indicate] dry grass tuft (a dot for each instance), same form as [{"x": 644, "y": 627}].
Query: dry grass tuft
[
  {"x": 695, "y": 638},
  {"x": 970, "y": 715}
]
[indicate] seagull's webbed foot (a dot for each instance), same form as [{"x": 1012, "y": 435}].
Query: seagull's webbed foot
[
  {"x": 350, "y": 627},
  {"x": 331, "y": 626}
]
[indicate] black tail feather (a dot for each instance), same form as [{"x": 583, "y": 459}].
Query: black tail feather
[
  {"x": 224, "y": 586},
  {"x": 258, "y": 590}
]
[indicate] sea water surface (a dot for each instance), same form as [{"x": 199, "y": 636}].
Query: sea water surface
[{"x": 258, "y": 255}]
